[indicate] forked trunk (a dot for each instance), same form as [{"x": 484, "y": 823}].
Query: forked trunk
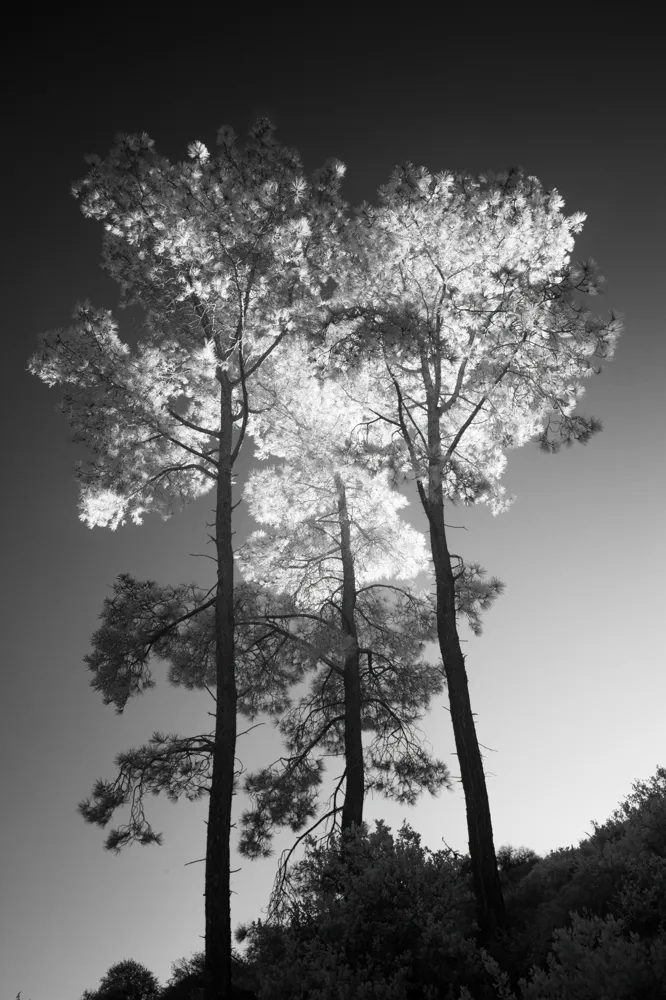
[{"x": 217, "y": 968}]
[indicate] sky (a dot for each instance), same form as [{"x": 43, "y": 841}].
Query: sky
[{"x": 567, "y": 681}]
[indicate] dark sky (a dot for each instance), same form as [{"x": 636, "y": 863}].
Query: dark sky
[{"x": 568, "y": 680}]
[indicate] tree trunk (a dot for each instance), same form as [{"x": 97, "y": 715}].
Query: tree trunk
[
  {"x": 491, "y": 913},
  {"x": 217, "y": 967},
  {"x": 352, "y": 810}
]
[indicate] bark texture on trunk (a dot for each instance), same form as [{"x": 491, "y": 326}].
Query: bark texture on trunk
[
  {"x": 217, "y": 967},
  {"x": 491, "y": 912},
  {"x": 352, "y": 810}
]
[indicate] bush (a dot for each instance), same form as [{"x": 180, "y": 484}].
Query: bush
[
  {"x": 384, "y": 919},
  {"x": 597, "y": 960},
  {"x": 565, "y": 881},
  {"x": 126, "y": 980},
  {"x": 186, "y": 981}
]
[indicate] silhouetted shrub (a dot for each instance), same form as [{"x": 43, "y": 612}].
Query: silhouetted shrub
[
  {"x": 186, "y": 980},
  {"x": 126, "y": 980},
  {"x": 385, "y": 919}
]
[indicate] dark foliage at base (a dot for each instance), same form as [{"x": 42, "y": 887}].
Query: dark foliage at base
[
  {"x": 394, "y": 921},
  {"x": 385, "y": 919}
]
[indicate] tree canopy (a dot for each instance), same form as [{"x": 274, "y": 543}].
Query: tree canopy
[{"x": 417, "y": 340}]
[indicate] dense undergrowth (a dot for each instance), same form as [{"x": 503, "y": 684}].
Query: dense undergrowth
[{"x": 391, "y": 920}]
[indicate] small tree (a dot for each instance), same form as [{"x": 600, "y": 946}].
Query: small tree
[
  {"x": 459, "y": 326},
  {"x": 126, "y": 980},
  {"x": 187, "y": 975}
]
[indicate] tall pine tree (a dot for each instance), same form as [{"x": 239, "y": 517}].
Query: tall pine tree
[
  {"x": 460, "y": 325},
  {"x": 226, "y": 256}
]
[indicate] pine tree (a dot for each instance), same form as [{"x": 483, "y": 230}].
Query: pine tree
[
  {"x": 331, "y": 538},
  {"x": 459, "y": 326},
  {"x": 226, "y": 256}
]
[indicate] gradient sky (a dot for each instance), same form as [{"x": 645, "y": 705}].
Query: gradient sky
[{"x": 568, "y": 679}]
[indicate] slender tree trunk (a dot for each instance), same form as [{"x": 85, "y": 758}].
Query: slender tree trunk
[
  {"x": 217, "y": 968},
  {"x": 491, "y": 913},
  {"x": 352, "y": 810}
]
